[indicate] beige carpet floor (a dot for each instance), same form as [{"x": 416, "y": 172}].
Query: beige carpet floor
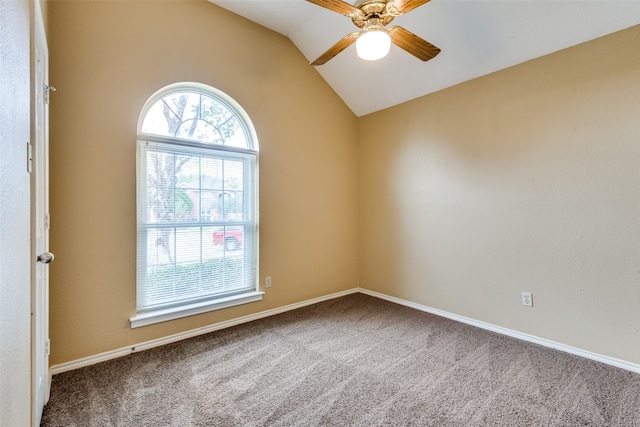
[{"x": 352, "y": 361}]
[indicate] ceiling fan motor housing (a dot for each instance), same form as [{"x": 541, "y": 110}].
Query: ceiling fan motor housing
[{"x": 370, "y": 10}]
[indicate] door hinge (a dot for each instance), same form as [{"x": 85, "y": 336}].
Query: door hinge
[
  {"x": 29, "y": 157},
  {"x": 47, "y": 220},
  {"x": 47, "y": 347},
  {"x": 47, "y": 90}
]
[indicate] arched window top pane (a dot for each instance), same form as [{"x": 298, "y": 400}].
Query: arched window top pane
[{"x": 199, "y": 113}]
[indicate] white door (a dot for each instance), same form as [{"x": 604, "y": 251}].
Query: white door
[{"x": 40, "y": 384}]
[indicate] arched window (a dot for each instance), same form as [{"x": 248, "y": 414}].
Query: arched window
[{"x": 197, "y": 204}]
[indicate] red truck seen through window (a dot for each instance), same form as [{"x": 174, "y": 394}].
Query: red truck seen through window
[{"x": 231, "y": 237}]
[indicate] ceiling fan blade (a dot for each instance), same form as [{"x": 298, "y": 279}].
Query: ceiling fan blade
[
  {"x": 344, "y": 43},
  {"x": 336, "y": 6},
  {"x": 404, "y": 6},
  {"x": 413, "y": 44}
]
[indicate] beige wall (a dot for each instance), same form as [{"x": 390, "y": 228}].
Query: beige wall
[
  {"x": 107, "y": 58},
  {"x": 524, "y": 180},
  {"x": 15, "y": 249}
]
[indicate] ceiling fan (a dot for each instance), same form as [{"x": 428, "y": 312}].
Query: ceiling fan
[{"x": 374, "y": 38}]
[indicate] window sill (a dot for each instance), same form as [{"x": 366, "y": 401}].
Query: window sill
[{"x": 172, "y": 313}]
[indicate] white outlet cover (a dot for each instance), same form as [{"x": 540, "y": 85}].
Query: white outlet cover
[{"x": 527, "y": 299}]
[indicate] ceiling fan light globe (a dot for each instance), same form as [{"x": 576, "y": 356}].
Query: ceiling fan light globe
[{"x": 373, "y": 45}]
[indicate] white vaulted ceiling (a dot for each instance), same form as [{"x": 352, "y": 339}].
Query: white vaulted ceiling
[{"x": 477, "y": 37}]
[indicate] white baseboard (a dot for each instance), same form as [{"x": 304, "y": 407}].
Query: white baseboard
[
  {"x": 515, "y": 334},
  {"x": 113, "y": 354}
]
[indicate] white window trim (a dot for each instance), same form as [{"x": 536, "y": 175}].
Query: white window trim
[{"x": 172, "y": 313}]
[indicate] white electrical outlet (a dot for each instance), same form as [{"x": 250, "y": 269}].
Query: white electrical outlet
[
  {"x": 267, "y": 282},
  {"x": 527, "y": 299}
]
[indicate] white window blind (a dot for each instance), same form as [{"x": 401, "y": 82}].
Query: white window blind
[{"x": 197, "y": 202}]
